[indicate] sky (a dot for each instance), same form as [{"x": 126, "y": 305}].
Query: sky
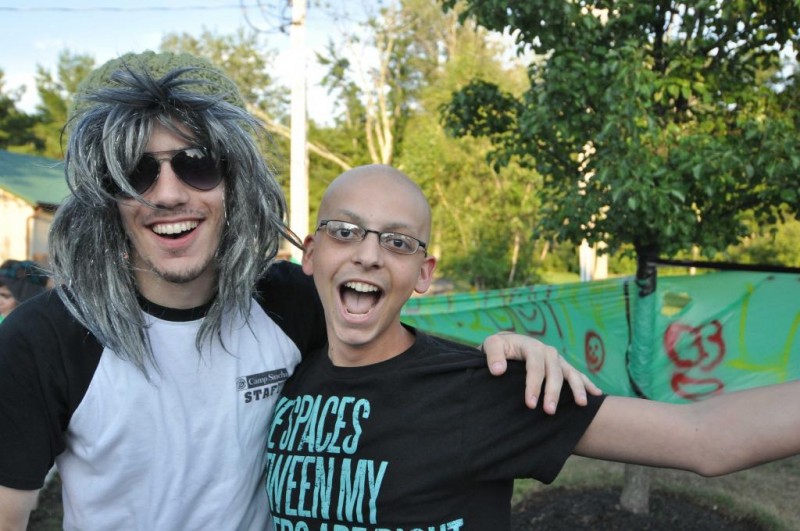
[{"x": 34, "y": 32}]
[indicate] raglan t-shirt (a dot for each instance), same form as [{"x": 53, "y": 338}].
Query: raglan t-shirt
[
  {"x": 427, "y": 440},
  {"x": 183, "y": 450}
]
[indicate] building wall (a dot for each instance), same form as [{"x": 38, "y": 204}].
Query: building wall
[
  {"x": 23, "y": 230},
  {"x": 39, "y": 231}
]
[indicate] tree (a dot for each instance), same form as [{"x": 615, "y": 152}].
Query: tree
[
  {"x": 378, "y": 73},
  {"x": 657, "y": 124},
  {"x": 653, "y": 123},
  {"x": 56, "y": 93},
  {"x": 389, "y": 110},
  {"x": 16, "y": 127},
  {"x": 483, "y": 216},
  {"x": 771, "y": 244}
]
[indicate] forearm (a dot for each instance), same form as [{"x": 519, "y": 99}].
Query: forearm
[
  {"x": 15, "y": 508},
  {"x": 717, "y": 436},
  {"x": 747, "y": 428}
]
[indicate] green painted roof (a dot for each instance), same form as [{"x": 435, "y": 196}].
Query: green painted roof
[{"x": 35, "y": 180}]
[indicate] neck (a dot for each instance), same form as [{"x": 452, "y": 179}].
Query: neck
[
  {"x": 390, "y": 344},
  {"x": 180, "y": 296}
]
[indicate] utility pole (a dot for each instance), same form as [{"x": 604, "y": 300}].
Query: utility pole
[{"x": 298, "y": 169}]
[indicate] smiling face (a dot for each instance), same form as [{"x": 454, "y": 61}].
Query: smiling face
[
  {"x": 173, "y": 247},
  {"x": 362, "y": 285}
]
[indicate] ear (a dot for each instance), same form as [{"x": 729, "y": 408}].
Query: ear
[
  {"x": 425, "y": 274},
  {"x": 308, "y": 253}
]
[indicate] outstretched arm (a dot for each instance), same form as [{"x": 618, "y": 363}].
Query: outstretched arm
[
  {"x": 15, "y": 508},
  {"x": 543, "y": 363},
  {"x": 717, "y": 436}
]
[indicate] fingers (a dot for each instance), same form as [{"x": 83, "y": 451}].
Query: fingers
[
  {"x": 494, "y": 349},
  {"x": 536, "y": 369},
  {"x": 590, "y": 386},
  {"x": 577, "y": 381},
  {"x": 546, "y": 370},
  {"x": 554, "y": 379}
]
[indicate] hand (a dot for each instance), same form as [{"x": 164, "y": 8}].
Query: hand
[{"x": 543, "y": 363}]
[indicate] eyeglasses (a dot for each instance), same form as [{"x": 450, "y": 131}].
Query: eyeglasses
[
  {"x": 392, "y": 241},
  {"x": 193, "y": 165}
]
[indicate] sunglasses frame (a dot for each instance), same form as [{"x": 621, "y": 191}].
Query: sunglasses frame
[{"x": 159, "y": 157}]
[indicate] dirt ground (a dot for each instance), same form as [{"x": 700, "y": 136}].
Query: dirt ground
[
  {"x": 563, "y": 509},
  {"x": 551, "y": 509}
]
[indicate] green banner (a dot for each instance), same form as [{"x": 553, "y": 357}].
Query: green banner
[{"x": 711, "y": 333}]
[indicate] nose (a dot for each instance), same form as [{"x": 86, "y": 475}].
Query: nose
[
  {"x": 368, "y": 252},
  {"x": 168, "y": 191}
]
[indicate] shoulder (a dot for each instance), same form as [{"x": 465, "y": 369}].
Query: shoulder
[
  {"x": 290, "y": 299},
  {"x": 45, "y": 309},
  {"x": 47, "y": 361},
  {"x": 439, "y": 350},
  {"x": 285, "y": 278},
  {"x": 43, "y": 328},
  {"x": 445, "y": 344}
]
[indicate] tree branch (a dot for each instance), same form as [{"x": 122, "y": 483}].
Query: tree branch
[{"x": 280, "y": 129}]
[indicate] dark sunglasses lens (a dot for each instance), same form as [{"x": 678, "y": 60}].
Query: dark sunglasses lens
[
  {"x": 197, "y": 168},
  {"x": 145, "y": 174}
]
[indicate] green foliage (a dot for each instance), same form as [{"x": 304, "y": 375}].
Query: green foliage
[
  {"x": 378, "y": 91},
  {"x": 16, "y": 127},
  {"x": 771, "y": 244},
  {"x": 56, "y": 93},
  {"x": 483, "y": 218},
  {"x": 653, "y": 124}
]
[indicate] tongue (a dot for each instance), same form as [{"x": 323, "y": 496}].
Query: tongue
[{"x": 357, "y": 302}]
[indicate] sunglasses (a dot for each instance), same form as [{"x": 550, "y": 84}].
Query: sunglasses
[{"x": 193, "y": 165}]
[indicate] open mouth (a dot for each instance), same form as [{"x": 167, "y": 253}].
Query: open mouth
[
  {"x": 175, "y": 230},
  {"x": 359, "y": 298}
]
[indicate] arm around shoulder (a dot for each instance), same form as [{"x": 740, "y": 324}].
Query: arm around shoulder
[
  {"x": 15, "y": 508},
  {"x": 717, "y": 436}
]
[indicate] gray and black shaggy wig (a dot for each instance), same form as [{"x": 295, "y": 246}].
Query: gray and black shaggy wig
[{"x": 109, "y": 130}]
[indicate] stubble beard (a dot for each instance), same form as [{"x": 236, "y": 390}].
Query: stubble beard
[{"x": 179, "y": 276}]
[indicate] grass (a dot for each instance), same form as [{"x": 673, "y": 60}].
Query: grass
[
  {"x": 767, "y": 493},
  {"x": 558, "y": 277}
]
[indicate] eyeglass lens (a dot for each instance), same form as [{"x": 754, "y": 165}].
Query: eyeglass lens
[
  {"x": 393, "y": 241},
  {"x": 194, "y": 166}
]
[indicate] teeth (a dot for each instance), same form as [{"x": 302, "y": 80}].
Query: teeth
[
  {"x": 361, "y": 287},
  {"x": 174, "y": 228}
]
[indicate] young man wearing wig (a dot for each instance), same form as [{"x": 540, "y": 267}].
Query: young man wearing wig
[{"x": 150, "y": 374}]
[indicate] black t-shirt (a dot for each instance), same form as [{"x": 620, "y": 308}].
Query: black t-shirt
[{"x": 426, "y": 440}]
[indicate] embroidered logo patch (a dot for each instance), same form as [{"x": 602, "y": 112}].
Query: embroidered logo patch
[
  {"x": 261, "y": 385},
  {"x": 261, "y": 379}
]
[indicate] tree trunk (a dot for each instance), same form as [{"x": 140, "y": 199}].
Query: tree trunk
[
  {"x": 635, "y": 495},
  {"x": 514, "y": 259}
]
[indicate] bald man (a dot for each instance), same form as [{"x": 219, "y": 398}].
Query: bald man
[{"x": 393, "y": 429}]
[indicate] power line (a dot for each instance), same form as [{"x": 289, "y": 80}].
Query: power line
[
  {"x": 126, "y": 9},
  {"x": 243, "y": 6}
]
